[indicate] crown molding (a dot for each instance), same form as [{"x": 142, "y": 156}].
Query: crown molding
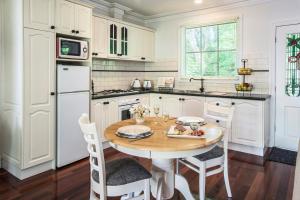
[
  {"x": 106, "y": 8},
  {"x": 207, "y": 10}
]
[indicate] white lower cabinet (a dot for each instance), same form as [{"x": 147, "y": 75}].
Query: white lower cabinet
[
  {"x": 250, "y": 124},
  {"x": 177, "y": 105},
  {"x": 39, "y": 105},
  {"x": 172, "y": 105},
  {"x": 247, "y": 123},
  {"x": 104, "y": 112},
  {"x": 193, "y": 106}
]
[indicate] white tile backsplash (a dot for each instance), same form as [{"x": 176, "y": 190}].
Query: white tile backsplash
[{"x": 122, "y": 80}]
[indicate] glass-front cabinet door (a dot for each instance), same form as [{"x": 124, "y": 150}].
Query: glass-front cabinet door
[
  {"x": 124, "y": 41},
  {"x": 118, "y": 40}
]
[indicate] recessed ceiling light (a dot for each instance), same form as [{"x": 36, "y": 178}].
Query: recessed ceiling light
[{"x": 198, "y": 1}]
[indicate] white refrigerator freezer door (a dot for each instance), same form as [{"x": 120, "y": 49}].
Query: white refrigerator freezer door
[
  {"x": 73, "y": 78},
  {"x": 71, "y": 145}
]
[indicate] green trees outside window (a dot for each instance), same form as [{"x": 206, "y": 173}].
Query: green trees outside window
[{"x": 211, "y": 51}]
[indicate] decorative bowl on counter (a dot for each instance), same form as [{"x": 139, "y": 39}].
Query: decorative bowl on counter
[
  {"x": 244, "y": 71},
  {"x": 244, "y": 87}
]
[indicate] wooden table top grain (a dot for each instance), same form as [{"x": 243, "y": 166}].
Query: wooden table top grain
[{"x": 159, "y": 141}]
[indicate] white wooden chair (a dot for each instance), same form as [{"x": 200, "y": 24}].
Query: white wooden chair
[
  {"x": 116, "y": 178},
  {"x": 218, "y": 156}
]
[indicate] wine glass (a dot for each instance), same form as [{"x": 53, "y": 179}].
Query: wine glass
[{"x": 156, "y": 112}]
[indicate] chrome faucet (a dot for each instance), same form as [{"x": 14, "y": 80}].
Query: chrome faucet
[{"x": 202, "y": 83}]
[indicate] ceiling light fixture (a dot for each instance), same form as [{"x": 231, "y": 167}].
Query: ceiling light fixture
[{"x": 198, "y": 1}]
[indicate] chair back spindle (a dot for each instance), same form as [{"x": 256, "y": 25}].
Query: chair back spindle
[{"x": 95, "y": 149}]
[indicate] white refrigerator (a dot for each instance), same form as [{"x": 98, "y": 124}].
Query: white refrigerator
[{"x": 73, "y": 99}]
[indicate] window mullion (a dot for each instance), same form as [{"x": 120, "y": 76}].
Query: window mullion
[
  {"x": 218, "y": 52},
  {"x": 201, "y": 50}
]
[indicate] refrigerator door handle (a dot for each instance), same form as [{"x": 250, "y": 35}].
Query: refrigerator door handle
[{"x": 52, "y": 93}]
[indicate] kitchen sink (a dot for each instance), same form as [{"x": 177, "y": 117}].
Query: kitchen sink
[{"x": 216, "y": 93}]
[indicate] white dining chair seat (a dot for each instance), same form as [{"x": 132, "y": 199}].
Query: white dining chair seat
[{"x": 123, "y": 171}]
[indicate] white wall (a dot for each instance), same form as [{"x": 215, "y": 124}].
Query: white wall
[
  {"x": 11, "y": 84},
  {"x": 1, "y": 70},
  {"x": 257, "y": 20}
]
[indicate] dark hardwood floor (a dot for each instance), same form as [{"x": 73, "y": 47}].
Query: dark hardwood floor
[{"x": 249, "y": 180}]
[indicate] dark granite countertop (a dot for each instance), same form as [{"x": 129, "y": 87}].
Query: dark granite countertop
[{"x": 248, "y": 96}]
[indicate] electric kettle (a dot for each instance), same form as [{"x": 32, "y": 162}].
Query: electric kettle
[
  {"x": 147, "y": 85},
  {"x": 136, "y": 84}
]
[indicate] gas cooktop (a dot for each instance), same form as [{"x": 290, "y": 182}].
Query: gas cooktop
[{"x": 112, "y": 92}]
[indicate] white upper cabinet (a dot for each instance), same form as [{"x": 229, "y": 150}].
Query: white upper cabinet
[
  {"x": 117, "y": 40},
  {"x": 39, "y": 14},
  {"x": 39, "y": 109},
  {"x": 65, "y": 12},
  {"x": 141, "y": 44},
  {"x": 135, "y": 43},
  {"x": 73, "y": 19},
  {"x": 148, "y": 46},
  {"x": 83, "y": 21},
  {"x": 100, "y": 39}
]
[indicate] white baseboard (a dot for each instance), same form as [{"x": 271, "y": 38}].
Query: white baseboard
[
  {"x": 247, "y": 149},
  {"x": 14, "y": 169}
]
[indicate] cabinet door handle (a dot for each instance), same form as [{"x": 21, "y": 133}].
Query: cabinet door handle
[
  {"x": 119, "y": 54},
  {"x": 218, "y": 121},
  {"x": 77, "y": 32},
  {"x": 143, "y": 58},
  {"x": 233, "y": 103},
  {"x": 179, "y": 99},
  {"x": 217, "y": 104},
  {"x": 52, "y": 93},
  {"x": 52, "y": 27},
  {"x": 106, "y": 103},
  {"x": 183, "y": 99},
  {"x": 73, "y": 31},
  {"x": 160, "y": 97},
  {"x": 137, "y": 99}
]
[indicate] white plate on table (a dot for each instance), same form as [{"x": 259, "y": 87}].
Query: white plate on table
[
  {"x": 208, "y": 133},
  {"x": 134, "y": 130},
  {"x": 190, "y": 119}
]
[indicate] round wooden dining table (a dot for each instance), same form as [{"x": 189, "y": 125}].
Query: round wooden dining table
[{"x": 163, "y": 150}]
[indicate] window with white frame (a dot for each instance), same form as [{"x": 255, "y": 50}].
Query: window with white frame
[{"x": 210, "y": 51}]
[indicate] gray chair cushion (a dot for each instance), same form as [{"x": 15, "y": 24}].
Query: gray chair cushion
[
  {"x": 123, "y": 171},
  {"x": 214, "y": 153}
]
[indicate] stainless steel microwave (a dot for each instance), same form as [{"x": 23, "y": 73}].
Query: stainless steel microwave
[{"x": 72, "y": 49}]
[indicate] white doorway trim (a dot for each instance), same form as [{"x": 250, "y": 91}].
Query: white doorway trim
[{"x": 272, "y": 77}]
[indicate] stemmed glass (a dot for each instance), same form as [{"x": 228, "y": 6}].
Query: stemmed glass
[{"x": 156, "y": 112}]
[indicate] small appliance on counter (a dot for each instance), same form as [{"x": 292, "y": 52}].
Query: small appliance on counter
[
  {"x": 136, "y": 84},
  {"x": 147, "y": 85},
  {"x": 166, "y": 83}
]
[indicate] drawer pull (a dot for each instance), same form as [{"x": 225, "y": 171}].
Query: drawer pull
[
  {"x": 218, "y": 121},
  {"x": 106, "y": 103},
  {"x": 233, "y": 103},
  {"x": 217, "y": 104}
]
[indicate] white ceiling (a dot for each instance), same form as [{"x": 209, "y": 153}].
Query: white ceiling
[{"x": 164, "y": 7}]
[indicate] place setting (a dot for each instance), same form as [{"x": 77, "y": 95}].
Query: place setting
[{"x": 134, "y": 132}]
